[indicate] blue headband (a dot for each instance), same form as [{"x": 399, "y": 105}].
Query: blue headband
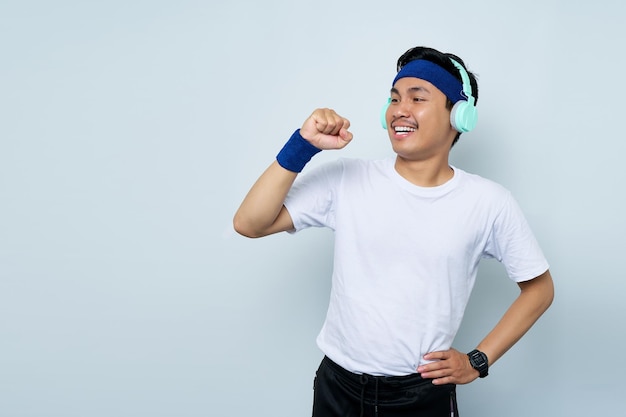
[{"x": 434, "y": 74}]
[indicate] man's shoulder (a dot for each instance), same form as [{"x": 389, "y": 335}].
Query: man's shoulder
[
  {"x": 477, "y": 181},
  {"x": 485, "y": 191},
  {"x": 347, "y": 165}
]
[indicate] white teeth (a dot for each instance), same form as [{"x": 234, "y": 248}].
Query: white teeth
[{"x": 404, "y": 129}]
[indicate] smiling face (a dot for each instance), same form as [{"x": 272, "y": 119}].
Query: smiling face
[{"x": 418, "y": 120}]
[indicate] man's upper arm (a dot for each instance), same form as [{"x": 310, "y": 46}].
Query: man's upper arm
[
  {"x": 283, "y": 223},
  {"x": 541, "y": 284}
]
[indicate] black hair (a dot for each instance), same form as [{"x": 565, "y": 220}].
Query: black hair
[{"x": 443, "y": 60}]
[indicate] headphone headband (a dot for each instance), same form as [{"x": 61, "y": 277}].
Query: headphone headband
[
  {"x": 467, "y": 85},
  {"x": 464, "y": 116}
]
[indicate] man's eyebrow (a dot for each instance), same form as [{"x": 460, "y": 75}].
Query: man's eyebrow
[{"x": 415, "y": 89}]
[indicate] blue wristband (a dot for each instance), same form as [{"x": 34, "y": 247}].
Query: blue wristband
[{"x": 296, "y": 153}]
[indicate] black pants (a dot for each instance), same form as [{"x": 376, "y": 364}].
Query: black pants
[{"x": 340, "y": 393}]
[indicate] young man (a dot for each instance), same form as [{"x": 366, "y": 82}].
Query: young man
[{"x": 409, "y": 233}]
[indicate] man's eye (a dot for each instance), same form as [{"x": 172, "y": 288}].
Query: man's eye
[{"x": 393, "y": 100}]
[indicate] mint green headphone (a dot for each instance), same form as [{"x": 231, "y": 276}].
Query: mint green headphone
[{"x": 463, "y": 116}]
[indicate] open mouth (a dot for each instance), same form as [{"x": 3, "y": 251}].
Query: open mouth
[{"x": 404, "y": 129}]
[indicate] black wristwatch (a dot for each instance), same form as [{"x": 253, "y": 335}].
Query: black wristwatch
[{"x": 479, "y": 361}]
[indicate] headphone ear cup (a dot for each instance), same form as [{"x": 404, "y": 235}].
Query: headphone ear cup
[
  {"x": 463, "y": 116},
  {"x": 383, "y": 114}
]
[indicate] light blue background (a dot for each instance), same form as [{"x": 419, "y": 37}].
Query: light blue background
[{"x": 131, "y": 130}]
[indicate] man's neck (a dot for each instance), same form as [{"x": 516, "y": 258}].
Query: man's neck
[{"x": 426, "y": 173}]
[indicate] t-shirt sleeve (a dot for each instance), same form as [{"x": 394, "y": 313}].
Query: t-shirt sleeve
[
  {"x": 513, "y": 243},
  {"x": 310, "y": 201}
]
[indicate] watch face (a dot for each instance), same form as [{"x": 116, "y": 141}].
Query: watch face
[{"x": 479, "y": 361}]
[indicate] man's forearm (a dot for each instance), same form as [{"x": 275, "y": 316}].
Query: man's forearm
[
  {"x": 535, "y": 297},
  {"x": 261, "y": 212}
]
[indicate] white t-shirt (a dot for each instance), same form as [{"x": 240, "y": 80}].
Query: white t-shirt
[{"x": 406, "y": 257}]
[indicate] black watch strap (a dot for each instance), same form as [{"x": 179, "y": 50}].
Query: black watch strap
[{"x": 479, "y": 361}]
